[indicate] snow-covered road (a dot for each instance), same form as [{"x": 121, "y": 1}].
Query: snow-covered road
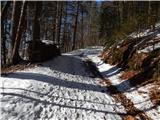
[
  {"x": 64, "y": 89},
  {"x": 60, "y": 89}
]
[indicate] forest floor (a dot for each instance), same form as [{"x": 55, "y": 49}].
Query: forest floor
[{"x": 65, "y": 88}]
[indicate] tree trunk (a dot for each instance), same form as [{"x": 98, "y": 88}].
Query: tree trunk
[
  {"x": 15, "y": 53},
  {"x": 4, "y": 9},
  {"x": 36, "y": 22},
  {"x": 64, "y": 30},
  {"x": 54, "y": 22},
  {"x": 82, "y": 33},
  {"x": 3, "y": 37},
  {"x": 59, "y": 23},
  {"x": 36, "y": 25},
  {"x": 75, "y": 26},
  {"x": 15, "y": 20}
]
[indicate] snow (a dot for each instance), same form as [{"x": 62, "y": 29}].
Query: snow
[
  {"x": 152, "y": 47},
  {"x": 48, "y": 42},
  {"x": 157, "y": 24},
  {"x": 145, "y": 32},
  {"x": 60, "y": 89},
  {"x": 140, "y": 100},
  {"x": 140, "y": 34}
]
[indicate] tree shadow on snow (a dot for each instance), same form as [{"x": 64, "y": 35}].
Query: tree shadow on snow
[
  {"x": 54, "y": 96},
  {"x": 57, "y": 81},
  {"x": 136, "y": 81},
  {"x": 112, "y": 71},
  {"x": 46, "y": 102},
  {"x": 67, "y": 64}
]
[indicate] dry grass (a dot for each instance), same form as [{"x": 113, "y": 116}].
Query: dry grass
[
  {"x": 135, "y": 63},
  {"x": 155, "y": 93},
  {"x": 128, "y": 74},
  {"x": 105, "y": 82},
  {"x": 13, "y": 68},
  {"x": 129, "y": 117}
]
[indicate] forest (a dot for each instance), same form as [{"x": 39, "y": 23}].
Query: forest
[{"x": 80, "y": 60}]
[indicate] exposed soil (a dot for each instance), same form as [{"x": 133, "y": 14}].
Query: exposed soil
[
  {"x": 155, "y": 93},
  {"x": 128, "y": 74},
  {"x": 7, "y": 70}
]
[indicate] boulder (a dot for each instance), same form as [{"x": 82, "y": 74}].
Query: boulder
[{"x": 42, "y": 51}]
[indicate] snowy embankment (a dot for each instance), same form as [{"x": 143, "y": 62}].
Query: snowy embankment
[
  {"x": 152, "y": 47},
  {"x": 146, "y": 33},
  {"x": 60, "y": 89},
  {"x": 138, "y": 95}
]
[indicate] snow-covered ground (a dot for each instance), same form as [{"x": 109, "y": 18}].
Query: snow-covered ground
[
  {"x": 63, "y": 89},
  {"x": 139, "y": 96},
  {"x": 145, "y": 32},
  {"x": 60, "y": 89},
  {"x": 152, "y": 47}
]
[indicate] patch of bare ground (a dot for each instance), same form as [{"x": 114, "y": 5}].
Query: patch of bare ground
[
  {"x": 128, "y": 74},
  {"x": 154, "y": 93},
  {"x": 7, "y": 70},
  {"x": 104, "y": 82},
  {"x": 136, "y": 61},
  {"x": 129, "y": 117}
]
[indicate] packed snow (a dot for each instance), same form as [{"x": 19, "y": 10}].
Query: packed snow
[{"x": 60, "y": 89}]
